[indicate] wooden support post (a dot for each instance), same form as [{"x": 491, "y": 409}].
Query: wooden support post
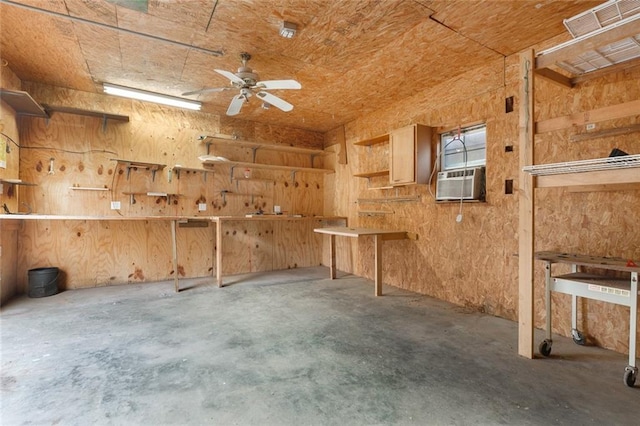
[
  {"x": 526, "y": 207},
  {"x": 378, "y": 263},
  {"x": 219, "y": 252},
  {"x": 332, "y": 254},
  {"x": 174, "y": 246}
]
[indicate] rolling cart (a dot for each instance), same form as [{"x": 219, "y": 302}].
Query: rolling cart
[{"x": 620, "y": 291}]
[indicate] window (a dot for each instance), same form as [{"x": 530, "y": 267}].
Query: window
[{"x": 453, "y": 144}]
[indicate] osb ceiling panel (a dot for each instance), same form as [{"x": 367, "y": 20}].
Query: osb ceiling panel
[{"x": 352, "y": 57}]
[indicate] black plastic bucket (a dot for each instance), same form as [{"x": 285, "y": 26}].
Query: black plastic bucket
[{"x": 43, "y": 282}]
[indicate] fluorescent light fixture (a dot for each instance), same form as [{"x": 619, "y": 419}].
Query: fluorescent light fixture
[
  {"x": 288, "y": 29},
  {"x": 141, "y": 95}
]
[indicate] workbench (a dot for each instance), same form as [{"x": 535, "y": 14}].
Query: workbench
[
  {"x": 611, "y": 289},
  {"x": 173, "y": 222},
  {"x": 379, "y": 236}
]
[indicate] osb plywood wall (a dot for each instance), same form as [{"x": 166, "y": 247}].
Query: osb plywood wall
[
  {"x": 474, "y": 263},
  {"x": 69, "y": 153},
  {"x": 10, "y": 193},
  {"x": 601, "y": 223}
]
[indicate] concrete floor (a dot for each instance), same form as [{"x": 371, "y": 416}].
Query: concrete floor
[{"x": 289, "y": 348}]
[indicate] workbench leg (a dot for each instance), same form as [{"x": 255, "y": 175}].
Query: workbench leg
[
  {"x": 378, "y": 264},
  {"x": 574, "y": 315},
  {"x": 633, "y": 319},
  {"x": 547, "y": 297},
  {"x": 332, "y": 254},
  {"x": 219, "y": 253},
  {"x": 174, "y": 246}
]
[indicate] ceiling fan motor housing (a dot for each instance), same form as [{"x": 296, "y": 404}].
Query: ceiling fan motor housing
[{"x": 250, "y": 78}]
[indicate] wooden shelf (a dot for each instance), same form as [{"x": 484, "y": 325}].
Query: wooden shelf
[
  {"x": 22, "y": 103},
  {"x": 374, "y": 212},
  {"x": 17, "y": 182},
  {"x": 389, "y": 199},
  {"x": 225, "y": 193},
  {"x": 212, "y": 162},
  {"x": 133, "y": 195},
  {"x": 89, "y": 113},
  {"x": 243, "y": 179},
  {"x": 140, "y": 164},
  {"x": 152, "y": 194},
  {"x": 599, "y": 171},
  {"x": 152, "y": 167},
  {"x": 373, "y": 141},
  {"x": 376, "y": 173},
  {"x": 179, "y": 169},
  {"x": 380, "y": 187},
  {"x": 228, "y": 141},
  {"x": 240, "y": 194},
  {"x": 88, "y": 188}
]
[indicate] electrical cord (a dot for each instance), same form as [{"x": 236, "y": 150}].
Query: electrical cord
[{"x": 464, "y": 150}]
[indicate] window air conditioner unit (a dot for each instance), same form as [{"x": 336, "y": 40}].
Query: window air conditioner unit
[{"x": 460, "y": 183}]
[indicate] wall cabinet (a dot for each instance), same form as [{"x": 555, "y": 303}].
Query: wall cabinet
[{"x": 410, "y": 155}]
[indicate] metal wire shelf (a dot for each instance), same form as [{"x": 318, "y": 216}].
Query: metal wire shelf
[{"x": 581, "y": 166}]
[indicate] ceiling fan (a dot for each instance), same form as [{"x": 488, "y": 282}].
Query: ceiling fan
[{"x": 247, "y": 82}]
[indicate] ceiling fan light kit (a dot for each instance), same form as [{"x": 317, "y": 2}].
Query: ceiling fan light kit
[
  {"x": 249, "y": 85},
  {"x": 142, "y": 95}
]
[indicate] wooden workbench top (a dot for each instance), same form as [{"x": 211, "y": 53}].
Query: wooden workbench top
[
  {"x": 160, "y": 218},
  {"x": 357, "y": 232},
  {"x": 612, "y": 263}
]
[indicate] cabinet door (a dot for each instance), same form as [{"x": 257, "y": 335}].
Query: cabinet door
[{"x": 402, "y": 152}]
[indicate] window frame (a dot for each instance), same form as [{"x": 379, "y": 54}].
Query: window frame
[{"x": 461, "y": 133}]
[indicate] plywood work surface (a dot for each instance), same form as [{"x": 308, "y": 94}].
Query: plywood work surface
[
  {"x": 358, "y": 232},
  {"x": 616, "y": 264}
]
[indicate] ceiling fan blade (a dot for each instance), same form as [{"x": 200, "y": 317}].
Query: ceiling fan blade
[
  {"x": 279, "y": 84},
  {"x": 231, "y": 76},
  {"x": 275, "y": 101},
  {"x": 209, "y": 90},
  {"x": 236, "y": 105}
]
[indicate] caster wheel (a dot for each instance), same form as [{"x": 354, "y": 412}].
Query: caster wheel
[
  {"x": 630, "y": 377},
  {"x": 578, "y": 337},
  {"x": 545, "y": 347}
]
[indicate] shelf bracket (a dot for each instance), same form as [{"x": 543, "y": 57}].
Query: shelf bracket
[
  {"x": 104, "y": 124},
  {"x": 132, "y": 199},
  {"x": 208, "y": 144},
  {"x": 313, "y": 157},
  {"x": 232, "y": 168},
  {"x": 171, "y": 174},
  {"x": 255, "y": 153},
  {"x": 224, "y": 196},
  {"x": 128, "y": 166},
  {"x": 153, "y": 175},
  {"x": 293, "y": 176}
]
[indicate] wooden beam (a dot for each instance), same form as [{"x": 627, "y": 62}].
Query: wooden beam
[
  {"x": 174, "y": 251},
  {"x": 605, "y": 188},
  {"x": 378, "y": 264},
  {"x": 555, "y": 77},
  {"x": 526, "y": 207},
  {"x": 605, "y": 133},
  {"x": 580, "y": 45},
  {"x": 581, "y": 118},
  {"x": 622, "y": 66},
  {"x": 601, "y": 177}
]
